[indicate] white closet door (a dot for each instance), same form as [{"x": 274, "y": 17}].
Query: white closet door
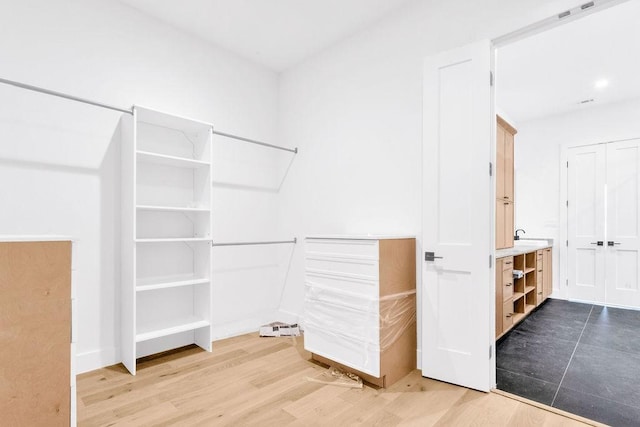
[
  {"x": 623, "y": 243},
  {"x": 457, "y": 203},
  {"x": 586, "y": 221}
]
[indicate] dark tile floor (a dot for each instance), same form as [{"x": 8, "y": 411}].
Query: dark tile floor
[{"x": 581, "y": 358}]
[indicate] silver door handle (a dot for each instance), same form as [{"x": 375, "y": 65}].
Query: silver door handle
[
  {"x": 599, "y": 243},
  {"x": 611, "y": 243},
  {"x": 431, "y": 256}
]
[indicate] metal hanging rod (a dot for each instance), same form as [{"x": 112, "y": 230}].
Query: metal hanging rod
[
  {"x": 127, "y": 111},
  {"x": 64, "y": 95},
  {"x": 274, "y": 242},
  {"x": 253, "y": 141}
]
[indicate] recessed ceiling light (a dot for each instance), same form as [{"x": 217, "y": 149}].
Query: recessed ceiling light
[{"x": 601, "y": 84}]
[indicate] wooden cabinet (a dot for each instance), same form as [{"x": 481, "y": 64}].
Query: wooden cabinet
[
  {"x": 516, "y": 297},
  {"x": 37, "y": 383},
  {"x": 504, "y": 184},
  {"x": 360, "y": 305}
]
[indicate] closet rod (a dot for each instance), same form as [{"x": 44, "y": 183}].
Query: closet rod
[
  {"x": 63, "y": 95},
  {"x": 275, "y": 242},
  {"x": 253, "y": 141},
  {"x": 127, "y": 111}
]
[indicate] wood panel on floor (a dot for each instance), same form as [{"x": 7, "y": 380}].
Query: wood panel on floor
[{"x": 250, "y": 380}]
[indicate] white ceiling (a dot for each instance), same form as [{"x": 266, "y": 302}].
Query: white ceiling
[
  {"x": 550, "y": 73},
  {"x": 275, "y": 33}
]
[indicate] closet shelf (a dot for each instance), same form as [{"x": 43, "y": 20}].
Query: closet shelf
[
  {"x": 170, "y": 208},
  {"x": 174, "y": 239},
  {"x": 157, "y": 330},
  {"x": 529, "y": 308},
  {"x": 176, "y": 281},
  {"x": 528, "y": 289},
  {"x": 529, "y": 270},
  {"x": 166, "y": 160}
]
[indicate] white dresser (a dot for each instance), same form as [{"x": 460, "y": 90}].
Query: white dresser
[{"x": 360, "y": 307}]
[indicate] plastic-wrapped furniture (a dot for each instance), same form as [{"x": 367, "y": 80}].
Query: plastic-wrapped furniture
[{"x": 360, "y": 305}]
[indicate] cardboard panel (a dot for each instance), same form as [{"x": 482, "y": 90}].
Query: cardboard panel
[{"x": 35, "y": 333}]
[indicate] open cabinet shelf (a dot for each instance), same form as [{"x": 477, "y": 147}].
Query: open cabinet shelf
[
  {"x": 166, "y": 226},
  {"x": 176, "y": 281},
  {"x": 150, "y": 208},
  {"x": 163, "y": 329},
  {"x": 174, "y": 240},
  {"x": 163, "y": 159}
]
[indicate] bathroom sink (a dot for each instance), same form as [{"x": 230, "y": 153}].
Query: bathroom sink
[{"x": 532, "y": 242}]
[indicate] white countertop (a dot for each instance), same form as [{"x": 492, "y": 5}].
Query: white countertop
[
  {"x": 34, "y": 238},
  {"x": 361, "y": 236},
  {"x": 523, "y": 248}
]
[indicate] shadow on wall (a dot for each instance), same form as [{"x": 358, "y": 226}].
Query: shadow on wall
[{"x": 59, "y": 175}]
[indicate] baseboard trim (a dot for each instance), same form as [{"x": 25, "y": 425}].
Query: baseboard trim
[
  {"x": 92, "y": 360},
  {"x": 241, "y": 327}
]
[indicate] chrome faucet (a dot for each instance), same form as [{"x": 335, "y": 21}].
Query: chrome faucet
[{"x": 516, "y": 237}]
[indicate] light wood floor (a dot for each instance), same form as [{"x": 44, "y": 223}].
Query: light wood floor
[{"x": 249, "y": 380}]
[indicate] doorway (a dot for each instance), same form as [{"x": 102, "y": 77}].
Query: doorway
[
  {"x": 573, "y": 98},
  {"x": 602, "y": 223}
]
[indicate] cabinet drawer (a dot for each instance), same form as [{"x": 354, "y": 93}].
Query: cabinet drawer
[
  {"x": 507, "y": 284},
  {"x": 343, "y": 247},
  {"x": 367, "y": 288},
  {"x": 507, "y": 315},
  {"x": 539, "y": 294},
  {"x": 346, "y": 350},
  {"x": 507, "y": 263},
  {"x": 360, "y": 267},
  {"x": 348, "y": 321}
]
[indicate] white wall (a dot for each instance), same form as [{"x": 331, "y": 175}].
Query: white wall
[
  {"x": 538, "y": 151},
  {"x": 355, "y": 110},
  {"x": 59, "y": 160}
]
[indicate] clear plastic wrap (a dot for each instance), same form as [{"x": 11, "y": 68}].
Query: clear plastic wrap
[
  {"x": 397, "y": 314},
  {"x": 366, "y": 322}
]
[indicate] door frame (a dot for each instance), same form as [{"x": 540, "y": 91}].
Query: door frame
[{"x": 503, "y": 40}]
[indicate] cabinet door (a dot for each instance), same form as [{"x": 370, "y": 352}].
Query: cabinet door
[
  {"x": 500, "y": 161},
  {"x": 508, "y": 166},
  {"x": 547, "y": 279},
  {"x": 500, "y": 236},
  {"x": 508, "y": 224},
  {"x": 507, "y": 284},
  {"x": 539, "y": 277},
  {"x": 507, "y": 315},
  {"x": 499, "y": 300}
]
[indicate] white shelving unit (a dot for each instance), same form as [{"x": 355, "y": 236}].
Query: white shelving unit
[{"x": 166, "y": 226}]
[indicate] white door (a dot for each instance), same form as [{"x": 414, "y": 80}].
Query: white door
[
  {"x": 623, "y": 244},
  {"x": 457, "y": 325},
  {"x": 586, "y": 213}
]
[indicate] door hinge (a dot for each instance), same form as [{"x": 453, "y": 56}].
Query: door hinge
[
  {"x": 567, "y": 163},
  {"x": 490, "y": 351},
  {"x": 490, "y": 261},
  {"x": 567, "y": 282},
  {"x": 567, "y": 243},
  {"x": 490, "y": 169},
  {"x": 491, "y": 78},
  {"x": 567, "y": 203}
]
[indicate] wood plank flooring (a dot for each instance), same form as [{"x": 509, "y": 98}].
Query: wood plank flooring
[{"x": 249, "y": 380}]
